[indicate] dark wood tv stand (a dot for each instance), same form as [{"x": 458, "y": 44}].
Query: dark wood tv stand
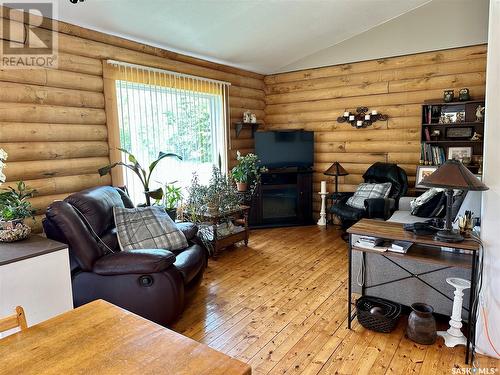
[{"x": 283, "y": 198}]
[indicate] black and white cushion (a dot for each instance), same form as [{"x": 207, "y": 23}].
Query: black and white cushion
[
  {"x": 366, "y": 191},
  {"x": 147, "y": 228}
]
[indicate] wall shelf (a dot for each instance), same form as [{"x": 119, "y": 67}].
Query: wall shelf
[{"x": 240, "y": 125}]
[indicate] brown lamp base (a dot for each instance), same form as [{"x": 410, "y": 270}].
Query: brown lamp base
[{"x": 448, "y": 236}]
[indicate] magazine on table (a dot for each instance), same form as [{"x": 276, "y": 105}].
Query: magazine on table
[{"x": 379, "y": 244}]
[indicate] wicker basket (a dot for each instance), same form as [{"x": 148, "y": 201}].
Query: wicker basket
[{"x": 386, "y": 317}]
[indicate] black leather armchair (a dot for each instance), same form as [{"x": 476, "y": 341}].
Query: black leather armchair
[
  {"x": 375, "y": 208},
  {"x": 149, "y": 282}
]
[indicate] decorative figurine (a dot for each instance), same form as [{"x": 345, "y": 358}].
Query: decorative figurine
[
  {"x": 463, "y": 95},
  {"x": 479, "y": 113},
  {"x": 476, "y": 137},
  {"x": 460, "y": 117},
  {"x": 247, "y": 117},
  {"x": 448, "y": 95},
  {"x": 253, "y": 118},
  {"x": 435, "y": 134}
]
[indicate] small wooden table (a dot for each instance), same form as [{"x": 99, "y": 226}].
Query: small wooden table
[
  {"x": 424, "y": 249},
  {"x": 100, "y": 338},
  {"x": 239, "y": 216}
]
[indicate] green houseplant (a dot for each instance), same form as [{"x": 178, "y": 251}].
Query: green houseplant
[
  {"x": 172, "y": 195},
  {"x": 141, "y": 172},
  {"x": 15, "y": 206},
  {"x": 246, "y": 171}
]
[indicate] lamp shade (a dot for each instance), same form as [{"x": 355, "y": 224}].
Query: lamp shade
[
  {"x": 336, "y": 170},
  {"x": 453, "y": 175}
]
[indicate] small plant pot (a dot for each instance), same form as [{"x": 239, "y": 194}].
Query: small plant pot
[
  {"x": 421, "y": 324},
  {"x": 10, "y": 224},
  {"x": 13, "y": 230},
  {"x": 172, "y": 213},
  {"x": 242, "y": 186}
]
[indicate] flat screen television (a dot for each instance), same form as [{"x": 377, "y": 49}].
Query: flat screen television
[{"x": 284, "y": 149}]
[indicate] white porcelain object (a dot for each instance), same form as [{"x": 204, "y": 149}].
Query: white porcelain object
[{"x": 454, "y": 336}]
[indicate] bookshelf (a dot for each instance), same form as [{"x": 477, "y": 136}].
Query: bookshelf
[{"x": 452, "y": 125}]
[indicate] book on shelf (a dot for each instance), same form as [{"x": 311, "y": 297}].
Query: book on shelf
[
  {"x": 382, "y": 245},
  {"x": 427, "y": 134},
  {"x": 432, "y": 155},
  {"x": 400, "y": 246}
]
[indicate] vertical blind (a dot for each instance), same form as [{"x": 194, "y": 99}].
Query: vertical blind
[{"x": 165, "y": 111}]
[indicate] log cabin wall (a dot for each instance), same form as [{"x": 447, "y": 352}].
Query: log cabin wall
[
  {"x": 313, "y": 99},
  {"x": 53, "y": 122}
]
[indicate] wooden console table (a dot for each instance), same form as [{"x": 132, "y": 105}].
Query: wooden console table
[
  {"x": 424, "y": 249},
  {"x": 102, "y": 338},
  {"x": 238, "y": 216}
]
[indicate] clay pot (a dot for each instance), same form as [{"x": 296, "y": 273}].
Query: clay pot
[
  {"x": 242, "y": 186},
  {"x": 421, "y": 324}
]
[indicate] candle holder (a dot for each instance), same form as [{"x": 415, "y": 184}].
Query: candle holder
[
  {"x": 362, "y": 118},
  {"x": 454, "y": 336},
  {"x": 322, "y": 214}
]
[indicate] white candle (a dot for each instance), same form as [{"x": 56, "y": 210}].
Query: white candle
[
  {"x": 323, "y": 186},
  {"x": 346, "y": 114},
  {"x": 367, "y": 117},
  {"x": 374, "y": 113},
  {"x": 351, "y": 118},
  {"x": 359, "y": 123}
]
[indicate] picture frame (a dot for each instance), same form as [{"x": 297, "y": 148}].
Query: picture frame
[
  {"x": 459, "y": 153},
  {"x": 422, "y": 172},
  {"x": 463, "y": 132}
]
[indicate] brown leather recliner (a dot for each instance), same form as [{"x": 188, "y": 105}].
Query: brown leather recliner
[{"x": 151, "y": 283}]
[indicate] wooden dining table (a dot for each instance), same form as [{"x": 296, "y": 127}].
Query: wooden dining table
[{"x": 101, "y": 338}]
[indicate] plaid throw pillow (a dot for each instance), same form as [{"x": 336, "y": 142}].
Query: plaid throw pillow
[
  {"x": 147, "y": 228},
  {"x": 366, "y": 191}
]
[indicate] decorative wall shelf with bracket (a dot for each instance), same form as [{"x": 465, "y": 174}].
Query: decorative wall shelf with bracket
[{"x": 240, "y": 125}]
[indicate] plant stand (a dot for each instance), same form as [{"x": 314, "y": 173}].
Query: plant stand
[
  {"x": 238, "y": 216},
  {"x": 454, "y": 336}
]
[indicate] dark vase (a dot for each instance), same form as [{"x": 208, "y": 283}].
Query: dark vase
[
  {"x": 172, "y": 213},
  {"x": 421, "y": 324}
]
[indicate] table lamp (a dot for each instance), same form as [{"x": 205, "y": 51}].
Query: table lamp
[
  {"x": 336, "y": 170},
  {"x": 452, "y": 175}
]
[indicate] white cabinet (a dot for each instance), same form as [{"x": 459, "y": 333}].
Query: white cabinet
[{"x": 35, "y": 274}]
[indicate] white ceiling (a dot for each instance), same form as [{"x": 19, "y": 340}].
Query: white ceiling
[{"x": 259, "y": 35}]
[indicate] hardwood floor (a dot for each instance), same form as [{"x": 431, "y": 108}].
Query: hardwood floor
[{"x": 280, "y": 305}]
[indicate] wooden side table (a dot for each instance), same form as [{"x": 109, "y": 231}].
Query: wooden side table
[
  {"x": 238, "y": 216},
  {"x": 35, "y": 274},
  {"x": 425, "y": 249}
]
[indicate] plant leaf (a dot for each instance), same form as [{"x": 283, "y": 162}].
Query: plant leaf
[
  {"x": 156, "y": 194},
  {"x": 160, "y": 157}
]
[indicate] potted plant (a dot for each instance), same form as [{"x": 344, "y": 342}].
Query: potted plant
[
  {"x": 143, "y": 174},
  {"x": 246, "y": 171},
  {"x": 14, "y": 209},
  {"x": 172, "y": 195}
]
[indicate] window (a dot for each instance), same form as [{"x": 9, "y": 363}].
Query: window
[{"x": 162, "y": 111}]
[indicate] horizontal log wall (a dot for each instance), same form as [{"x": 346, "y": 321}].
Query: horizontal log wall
[
  {"x": 53, "y": 122},
  {"x": 313, "y": 99}
]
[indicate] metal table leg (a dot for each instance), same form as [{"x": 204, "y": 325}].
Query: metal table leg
[
  {"x": 349, "y": 291},
  {"x": 472, "y": 311}
]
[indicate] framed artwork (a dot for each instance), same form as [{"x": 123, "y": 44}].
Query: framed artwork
[
  {"x": 422, "y": 172},
  {"x": 460, "y": 153},
  {"x": 463, "y": 132}
]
